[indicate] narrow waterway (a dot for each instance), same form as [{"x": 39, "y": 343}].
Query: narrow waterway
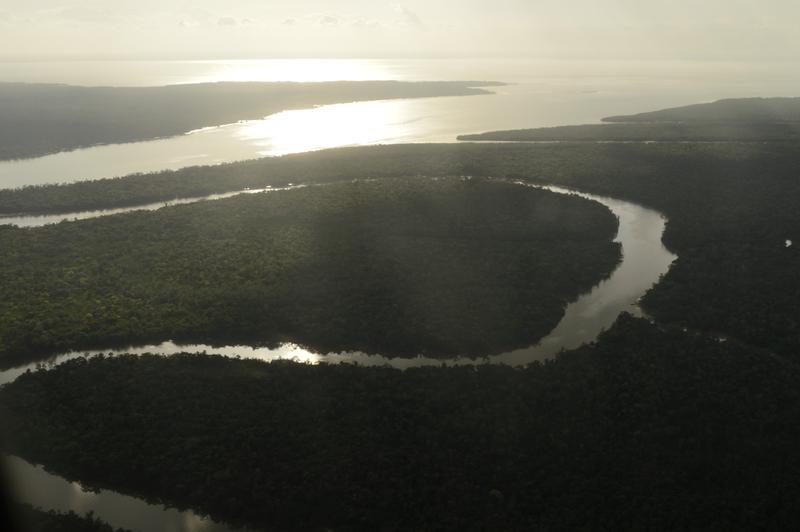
[
  {"x": 644, "y": 261},
  {"x": 39, "y": 220}
]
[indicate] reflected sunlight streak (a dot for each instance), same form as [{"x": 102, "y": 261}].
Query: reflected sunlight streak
[{"x": 349, "y": 124}]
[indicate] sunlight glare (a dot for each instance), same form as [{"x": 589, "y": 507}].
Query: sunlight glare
[{"x": 351, "y": 124}]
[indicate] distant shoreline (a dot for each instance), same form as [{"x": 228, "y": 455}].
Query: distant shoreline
[{"x": 38, "y": 119}]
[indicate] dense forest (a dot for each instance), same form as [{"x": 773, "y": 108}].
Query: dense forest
[
  {"x": 649, "y": 132},
  {"x": 738, "y": 119},
  {"x": 440, "y": 267},
  {"x": 38, "y": 119},
  {"x": 647, "y": 429},
  {"x": 730, "y": 110},
  {"x": 36, "y": 520},
  {"x": 731, "y": 209}
]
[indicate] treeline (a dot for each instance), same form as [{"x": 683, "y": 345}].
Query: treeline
[
  {"x": 400, "y": 267},
  {"x": 37, "y": 119},
  {"x": 28, "y": 519},
  {"x": 644, "y": 430},
  {"x": 729, "y": 110},
  {"x": 649, "y": 131},
  {"x": 738, "y": 119},
  {"x": 731, "y": 209}
]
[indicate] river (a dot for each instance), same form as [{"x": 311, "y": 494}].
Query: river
[
  {"x": 543, "y": 94},
  {"x": 540, "y": 93},
  {"x": 645, "y": 260}
]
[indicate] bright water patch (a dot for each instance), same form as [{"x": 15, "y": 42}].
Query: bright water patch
[{"x": 39, "y": 488}]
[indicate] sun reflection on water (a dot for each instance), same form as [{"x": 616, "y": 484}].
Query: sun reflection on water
[{"x": 350, "y": 124}]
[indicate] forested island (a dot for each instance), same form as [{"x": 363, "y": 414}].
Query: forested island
[
  {"x": 731, "y": 120},
  {"x": 647, "y": 429},
  {"x": 400, "y": 267},
  {"x": 38, "y": 119}
]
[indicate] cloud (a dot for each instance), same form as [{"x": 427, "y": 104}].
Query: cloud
[
  {"x": 363, "y": 23},
  {"x": 289, "y": 21},
  {"x": 227, "y": 21},
  {"x": 87, "y": 15},
  {"x": 328, "y": 20},
  {"x": 409, "y": 18}
]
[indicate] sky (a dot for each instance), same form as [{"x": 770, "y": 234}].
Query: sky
[{"x": 586, "y": 29}]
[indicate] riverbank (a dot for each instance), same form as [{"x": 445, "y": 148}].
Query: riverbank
[
  {"x": 41, "y": 119},
  {"x": 399, "y": 267},
  {"x": 628, "y": 433}
]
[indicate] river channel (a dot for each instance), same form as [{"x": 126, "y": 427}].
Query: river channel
[{"x": 644, "y": 261}]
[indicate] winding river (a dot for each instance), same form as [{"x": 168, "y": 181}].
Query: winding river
[
  {"x": 543, "y": 93},
  {"x": 645, "y": 260}
]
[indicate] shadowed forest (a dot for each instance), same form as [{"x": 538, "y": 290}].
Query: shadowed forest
[
  {"x": 400, "y": 267},
  {"x": 647, "y": 429},
  {"x": 686, "y": 420}
]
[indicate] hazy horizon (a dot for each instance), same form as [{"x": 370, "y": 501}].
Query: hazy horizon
[{"x": 742, "y": 30}]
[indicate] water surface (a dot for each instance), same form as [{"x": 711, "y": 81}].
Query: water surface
[
  {"x": 543, "y": 93},
  {"x": 41, "y": 489}
]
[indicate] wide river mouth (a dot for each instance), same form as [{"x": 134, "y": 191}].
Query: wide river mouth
[{"x": 644, "y": 261}]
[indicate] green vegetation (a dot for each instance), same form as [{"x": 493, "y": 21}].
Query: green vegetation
[
  {"x": 36, "y": 520},
  {"x": 731, "y": 207},
  {"x": 650, "y": 131},
  {"x": 645, "y": 430},
  {"x": 399, "y": 267},
  {"x": 740, "y": 120},
  {"x": 731, "y": 110},
  {"x": 38, "y": 119}
]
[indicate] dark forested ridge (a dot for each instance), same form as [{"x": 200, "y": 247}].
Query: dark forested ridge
[
  {"x": 645, "y": 430},
  {"x": 37, "y": 119},
  {"x": 398, "y": 267}
]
